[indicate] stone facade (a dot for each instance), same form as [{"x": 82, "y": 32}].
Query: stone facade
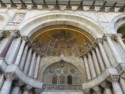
[{"x": 22, "y": 69}]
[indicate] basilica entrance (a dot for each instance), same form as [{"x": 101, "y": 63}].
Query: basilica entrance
[{"x": 62, "y": 76}]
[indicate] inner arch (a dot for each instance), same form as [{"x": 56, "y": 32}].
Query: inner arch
[{"x": 62, "y": 39}]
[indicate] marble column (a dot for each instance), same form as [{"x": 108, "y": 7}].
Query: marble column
[
  {"x": 6, "y": 89},
  {"x": 7, "y": 46},
  {"x": 92, "y": 68},
  {"x": 87, "y": 67},
  {"x": 32, "y": 65},
  {"x": 97, "y": 90},
  {"x": 116, "y": 88},
  {"x": 26, "y": 92},
  {"x": 96, "y": 63},
  {"x": 101, "y": 63},
  {"x": 107, "y": 88},
  {"x": 23, "y": 59},
  {"x": 122, "y": 83},
  {"x": 105, "y": 58},
  {"x": 1, "y": 80},
  {"x": 112, "y": 48},
  {"x": 119, "y": 39},
  {"x": 16, "y": 90},
  {"x": 28, "y": 61},
  {"x": 37, "y": 66},
  {"x": 19, "y": 55}
]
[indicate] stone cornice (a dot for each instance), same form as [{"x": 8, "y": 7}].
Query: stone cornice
[{"x": 80, "y": 5}]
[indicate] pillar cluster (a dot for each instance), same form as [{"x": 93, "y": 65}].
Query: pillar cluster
[{"x": 106, "y": 56}]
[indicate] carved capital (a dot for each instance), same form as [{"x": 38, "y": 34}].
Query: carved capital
[
  {"x": 2, "y": 35},
  {"x": 27, "y": 87},
  {"x": 119, "y": 35},
  {"x": 15, "y": 34},
  {"x": 10, "y": 76},
  {"x": 99, "y": 40},
  {"x": 87, "y": 91},
  {"x": 105, "y": 84},
  {"x": 25, "y": 38},
  {"x": 112, "y": 78},
  {"x": 123, "y": 75},
  {"x": 97, "y": 89}
]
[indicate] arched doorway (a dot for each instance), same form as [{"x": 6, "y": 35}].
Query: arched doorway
[{"x": 62, "y": 76}]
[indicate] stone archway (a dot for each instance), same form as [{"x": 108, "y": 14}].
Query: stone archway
[{"x": 28, "y": 28}]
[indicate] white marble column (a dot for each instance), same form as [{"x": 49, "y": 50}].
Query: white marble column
[
  {"x": 116, "y": 88},
  {"x": 1, "y": 80},
  {"x": 25, "y": 92},
  {"x": 107, "y": 90},
  {"x": 8, "y": 44},
  {"x": 101, "y": 63},
  {"x": 106, "y": 87},
  {"x": 37, "y": 66},
  {"x": 105, "y": 58},
  {"x": 19, "y": 55},
  {"x": 96, "y": 63},
  {"x": 23, "y": 59},
  {"x": 92, "y": 68},
  {"x": 32, "y": 65},
  {"x": 97, "y": 90},
  {"x": 113, "y": 49},
  {"x": 16, "y": 90},
  {"x": 109, "y": 54},
  {"x": 6, "y": 89},
  {"x": 122, "y": 83},
  {"x": 28, "y": 61},
  {"x": 87, "y": 68},
  {"x": 119, "y": 39}
]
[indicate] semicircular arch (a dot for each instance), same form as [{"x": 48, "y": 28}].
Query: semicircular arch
[{"x": 32, "y": 25}]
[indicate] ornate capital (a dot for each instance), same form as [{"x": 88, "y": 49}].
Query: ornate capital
[
  {"x": 113, "y": 78},
  {"x": 99, "y": 40},
  {"x": 97, "y": 89},
  {"x": 10, "y": 76},
  {"x": 27, "y": 87},
  {"x": 25, "y": 38},
  {"x": 2, "y": 34},
  {"x": 15, "y": 33},
  {"x": 105, "y": 84}
]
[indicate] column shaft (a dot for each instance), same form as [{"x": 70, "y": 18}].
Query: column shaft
[
  {"x": 116, "y": 88},
  {"x": 37, "y": 66},
  {"x": 6, "y": 86},
  {"x": 107, "y": 90},
  {"x": 16, "y": 90},
  {"x": 113, "y": 49},
  {"x": 101, "y": 63},
  {"x": 119, "y": 39},
  {"x": 27, "y": 65},
  {"x": 7, "y": 46},
  {"x": 92, "y": 69},
  {"x": 122, "y": 83},
  {"x": 105, "y": 58},
  {"x": 26, "y": 92},
  {"x": 87, "y": 68},
  {"x": 96, "y": 63},
  {"x": 19, "y": 55},
  {"x": 32, "y": 66},
  {"x": 23, "y": 59}
]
